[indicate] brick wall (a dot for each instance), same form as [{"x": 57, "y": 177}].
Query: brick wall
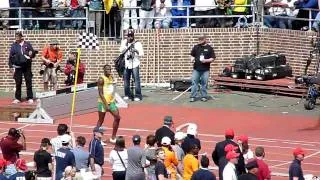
[{"x": 166, "y": 51}]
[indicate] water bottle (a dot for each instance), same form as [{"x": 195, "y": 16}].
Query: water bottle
[
  {"x": 36, "y": 27},
  {"x": 201, "y": 57}
]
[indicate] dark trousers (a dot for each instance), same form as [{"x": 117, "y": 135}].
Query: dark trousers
[
  {"x": 135, "y": 72},
  {"x": 119, "y": 175},
  {"x": 26, "y": 72},
  {"x": 205, "y": 22}
]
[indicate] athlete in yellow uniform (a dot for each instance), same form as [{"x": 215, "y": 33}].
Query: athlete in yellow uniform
[{"x": 106, "y": 101}]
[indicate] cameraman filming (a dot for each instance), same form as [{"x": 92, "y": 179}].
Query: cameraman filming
[
  {"x": 51, "y": 57},
  {"x": 20, "y": 60},
  {"x": 70, "y": 69},
  {"x": 10, "y": 147}
]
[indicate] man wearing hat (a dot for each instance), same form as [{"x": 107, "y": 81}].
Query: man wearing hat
[
  {"x": 165, "y": 130},
  {"x": 20, "y": 61},
  {"x": 51, "y": 57},
  {"x": 295, "y": 170},
  {"x": 64, "y": 156},
  {"x": 252, "y": 167},
  {"x": 133, "y": 52},
  {"x": 229, "y": 171},
  {"x": 202, "y": 55},
  {"x": 96, "y": 151},
  {"x": 135, "y": 169}
]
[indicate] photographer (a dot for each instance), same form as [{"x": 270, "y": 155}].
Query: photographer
[
  {"x": 133, "y": 51},
  {"x": 10, "y": 148},
  {"x": 51, "y": 57},
  {"x": 20, "y": 60},
  {"x": 70, "y": 69}
]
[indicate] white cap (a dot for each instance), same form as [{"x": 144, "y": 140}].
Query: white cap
[
  {"x": 192, "y": 129},
  {"x": 165, "y": 141},
  {"x": 179, "y": 136},
  {"x": 65, "y": 138}
]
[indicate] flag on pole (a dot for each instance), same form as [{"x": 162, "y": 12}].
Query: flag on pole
[{"x": 88, "y": 41}]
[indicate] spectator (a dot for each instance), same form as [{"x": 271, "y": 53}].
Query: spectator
[
  {"x": 44, "y": 12},
  {"x": 64, "y": 157},
  {"x": 20, "y": 61},
  {"x": 77, "y": 11},
  {"x": 244, "y": 148},
  {"x": 95, "y": 15},
  {"x": 170, "y": 160},
  {"x": 10, "y": 147},
  {"x": 27, "y": 13},
  {"x": 3, "y": 164},
  {"x": 119, "y": 159},
  {"x": 14, "y": 12},
  {"x": 163, "y": 12},
  {"x": 264, "y": 172},
  {"x": 202, "y": 55},
  {"x": 43, "y": 160},
  {"x": 208, "y": 9},
  {"x": 146, "y": 13},
  {"x": 130, "y": 9},
  {"x": 149, "y": 158},
  {"x": 191, "y": 138},
  {"x": 240, "y": 9},
  {"x": 253, "y": 169},
  {"x": 160, "y": 170},
  {"x": 70, "y": 68},
  {"x": 190, "y": 162},
  {"x": 134, "y": 51},
  {"x": 219, "y": 151},
  {"x": 165, "y": 130},
  {"x": 96, "y": 152},
  {"x": 179, "y": 137},
  {"x": 312, "y": 4},
  {"x": 229, "y": 171},
  {"x": 224, "y": 9},
  {"x": 278, "y": 8},
  {"x": 180, "y": 11},
  {"x": 223, "y": 160},
  {"x": 4, "y": 13},
  {"x": 203, "y": 173},
  {"x": 60, "y": 7},
  {"x": 295, "y": 170},
  {"x": 56, "y": 142},
  {"x": 69, "y": 173},
  {"x": 80, "y": 154},
  {"x": 21, "y": 167},
  {"x": 135, "y": 153},
  {"x": 51, "y": 57}
]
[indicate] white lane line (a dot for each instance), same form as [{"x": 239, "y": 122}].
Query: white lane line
[
  {"x": 306, "y": 157},
  {"x": 6, "y": 132}
]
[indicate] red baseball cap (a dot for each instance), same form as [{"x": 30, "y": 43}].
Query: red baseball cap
[
  {"x": 230, "y": 147},
  {"x": 231, "y": 155},
  {"x": 298, "y": 151},
  {"x": 243, "y": 138},
  {"x": 3, "y": 163},
  {"x": 21, "y": 164},
  {"x": 229, "y": 132}
]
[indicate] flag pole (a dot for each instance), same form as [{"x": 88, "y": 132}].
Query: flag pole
[{"x": 75, "y": 87}]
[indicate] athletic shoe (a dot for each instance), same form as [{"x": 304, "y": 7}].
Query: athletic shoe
[
  {"x": 192, "y": 100},
  {"x": 16, "y": 101},
  {"x": 30, "y": 101},
  {"x": 112, "y": 141},
  {"x": 125, "y": 98},
  {"x": 137, "y": 99}
]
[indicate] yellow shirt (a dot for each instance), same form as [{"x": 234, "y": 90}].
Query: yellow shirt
[
  {"x": 108, "y": 89},
  {"x": 242, "y": 8},
  {"x": 190, "y": 164},
  {"x": 170, "y": 162}
]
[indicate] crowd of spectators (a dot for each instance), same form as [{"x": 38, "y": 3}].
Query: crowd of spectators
[
  {"x": 167, "y": 154},
  {"x": 106, "y": 17}
]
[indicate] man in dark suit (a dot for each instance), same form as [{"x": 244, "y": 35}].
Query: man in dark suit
[
  {"x": 219, "y": 151},
  {"x": 165, "y": 130}
]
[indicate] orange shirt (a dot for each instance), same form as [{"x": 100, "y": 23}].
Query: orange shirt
[
  {"x": 170, "y": 162},
  {"x": 190, "y": 164},
  {"x": 52, "y": 54}
]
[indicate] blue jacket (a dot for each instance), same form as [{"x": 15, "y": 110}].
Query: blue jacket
[
  {"x": 309, "y": 4},
  {"x": 16, "y": 56}
]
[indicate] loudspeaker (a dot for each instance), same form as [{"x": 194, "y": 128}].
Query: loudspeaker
[{"x": 180, "y": 84}]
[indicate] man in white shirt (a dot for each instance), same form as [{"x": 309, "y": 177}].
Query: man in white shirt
[
  {"x": 127, "y": 5},
  {"x": 278, "y": 8},
  {"x": 229, "y": 171},
  {"x": 57, "y": 142},
  {"x": 163, "y": 11},
  {"x": 133, "y": 52},
  {"x": 4, "y": 13},
  {"x": 204, "y": 8}
]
